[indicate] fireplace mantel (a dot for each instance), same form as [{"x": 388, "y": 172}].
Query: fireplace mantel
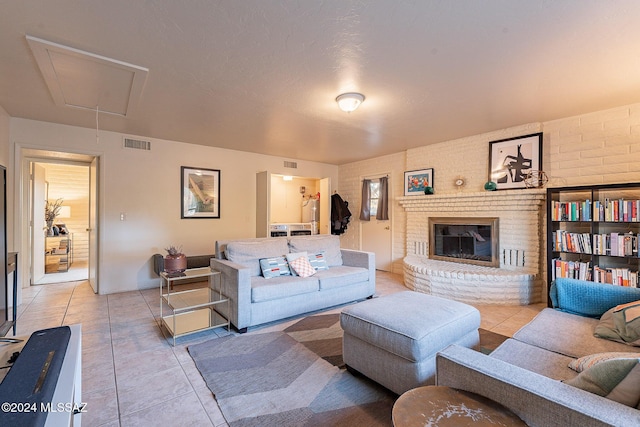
[{"x": 528, "y": 199}]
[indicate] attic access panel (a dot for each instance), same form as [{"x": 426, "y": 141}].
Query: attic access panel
[{"x": 85, "y": 80}]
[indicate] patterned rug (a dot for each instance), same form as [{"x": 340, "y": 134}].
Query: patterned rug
[{"x": 293, "y": 378}]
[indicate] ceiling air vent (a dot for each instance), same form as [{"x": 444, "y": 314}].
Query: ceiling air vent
[
  {"x": 137, "y": 144},
  {"x": 292, "y": 165}
]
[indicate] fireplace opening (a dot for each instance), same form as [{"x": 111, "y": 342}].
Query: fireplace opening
[{"x": 465, "y": 240}]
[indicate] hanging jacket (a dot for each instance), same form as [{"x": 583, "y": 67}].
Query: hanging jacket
[{"x": 340, "y": 214}]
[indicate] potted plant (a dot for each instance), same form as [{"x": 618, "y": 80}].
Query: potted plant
[
  {"x": 51, "y": 211},
  {"x": 175, "y": 261}
]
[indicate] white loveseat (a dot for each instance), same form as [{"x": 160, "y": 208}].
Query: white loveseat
[{"x": 256, "y": 299}]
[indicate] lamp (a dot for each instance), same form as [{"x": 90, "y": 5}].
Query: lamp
[
  {"x": 350, "y": 101},
  {"x": 65, "y": 212}
]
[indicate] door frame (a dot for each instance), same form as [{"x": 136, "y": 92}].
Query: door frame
[{"x": 24, "y": 155}]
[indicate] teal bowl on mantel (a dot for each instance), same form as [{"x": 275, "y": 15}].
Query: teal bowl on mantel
[{"x": 490, "y": 186}]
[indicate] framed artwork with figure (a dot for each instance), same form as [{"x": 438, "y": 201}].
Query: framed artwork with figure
[
  {"x": 200, "y": 190},
  {"x": 512, "y": 159}
]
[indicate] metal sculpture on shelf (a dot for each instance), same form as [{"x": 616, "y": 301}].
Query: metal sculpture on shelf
[{"x": 536, "y": 179}]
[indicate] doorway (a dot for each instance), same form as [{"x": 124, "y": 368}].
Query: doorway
[
  {"x": 63, "y": 189},
  {"x": 375, "y": 235},
  {"x": 81, "y": 222}
]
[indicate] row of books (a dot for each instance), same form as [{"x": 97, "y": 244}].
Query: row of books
[
  {"x": 611, "y": 244},
  {"x": 612, "y": 210},
  {"x": 583, "y": 271}
]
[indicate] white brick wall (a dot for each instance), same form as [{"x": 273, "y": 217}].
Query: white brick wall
[{"x": 597, "y": 148}]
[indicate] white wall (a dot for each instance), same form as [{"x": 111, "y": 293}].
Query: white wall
[
  {"x": 4, "y": 138},
  {"x": 4, "y": 161},
  {"x": 286, "y": 199},
  {"x": 145, "y": 186},
  {"x": 597, "y": 148},
  {"x": 602, "y": 147}
]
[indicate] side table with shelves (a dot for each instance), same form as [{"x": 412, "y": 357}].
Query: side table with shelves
[
  {"x": 58, "y": 253},
  {"x": 593, "y": 233},
  {"x": 192, "y": 310}
]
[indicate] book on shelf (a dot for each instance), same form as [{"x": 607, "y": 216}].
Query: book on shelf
[
  {"x": 582, "y": 271},
  {"x": 616, "y": 276},
  {"x": 566, "y": 241},
  {"x": 571, "y": 211},
  {"x": 618, "y": 210},
  {"x": 609, "y": 210},
  {"x": 570, "y": 269},
  {"x": 616, "y": 244}
]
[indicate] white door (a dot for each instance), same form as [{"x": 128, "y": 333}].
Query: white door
[
  {"x": 38, "y": 200},
  {"x": 93, "y": 224},
  {"x": 375, "y": 235}
]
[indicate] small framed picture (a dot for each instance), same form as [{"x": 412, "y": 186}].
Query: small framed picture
[
  {"x": 510, "y": 160},
  {"x": 416, "y": 181},
  {"x": 200, "y": 193}
]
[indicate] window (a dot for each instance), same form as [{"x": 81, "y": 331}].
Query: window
[{"x": 374, "y": 186}]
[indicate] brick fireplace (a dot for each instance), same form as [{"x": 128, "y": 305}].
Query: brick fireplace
[{"x": 520, "y": 215}]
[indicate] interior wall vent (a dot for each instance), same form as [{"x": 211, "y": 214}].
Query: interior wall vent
[
  {"x": 292, "y": 165},
  {"x": 137, "y": 144}
]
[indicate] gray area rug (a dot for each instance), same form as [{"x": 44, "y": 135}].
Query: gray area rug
[
  {"x": 271, "y": 379},
  {"x": 294, "y": 378}
]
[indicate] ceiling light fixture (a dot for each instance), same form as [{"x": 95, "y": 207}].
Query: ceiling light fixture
[{"x": 350, "y": 101}]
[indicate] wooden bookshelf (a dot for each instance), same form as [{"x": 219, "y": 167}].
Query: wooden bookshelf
[{"x": 593, "y": 233}]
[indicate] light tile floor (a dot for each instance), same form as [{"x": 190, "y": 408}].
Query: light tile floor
[{"x": 132, "y": 376}]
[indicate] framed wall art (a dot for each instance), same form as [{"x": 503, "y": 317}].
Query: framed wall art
[
  {"x": 416, "y": 181},
  {"x": 200, "y": 193},
  {"x": 510, "y": 160}
]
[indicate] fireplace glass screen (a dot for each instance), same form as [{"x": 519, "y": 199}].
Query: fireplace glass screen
[{"x": 466, "y": 240}]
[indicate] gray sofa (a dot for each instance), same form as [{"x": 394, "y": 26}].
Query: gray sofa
[
  {"x": 525, "y": 373},
  {"x": 257, "y": 300}
]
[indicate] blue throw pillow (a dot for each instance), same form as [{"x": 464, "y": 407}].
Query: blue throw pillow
[
  {"x": 318, "y": 262},
  {"x": 274, "y": 267}
]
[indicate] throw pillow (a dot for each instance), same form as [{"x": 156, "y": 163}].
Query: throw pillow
[
  {"x": 294, "y": 256},
  {"x": 302, "y": 267},
  {"x": 249, "y": 252},
  {"x": 318, "y": 262},
  {"x": 616, "y": 379},
  {"x": 591, "y": 360},
  {"x": 274, "y": 267},
  {"x": 621, "y": 324},
  {"x": 329, "y": 244}
]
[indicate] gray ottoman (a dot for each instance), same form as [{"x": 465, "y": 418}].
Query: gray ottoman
[{"x": 394, "y": 339}]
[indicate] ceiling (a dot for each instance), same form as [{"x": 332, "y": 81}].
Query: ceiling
[{"x": 262, "y": 75}]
